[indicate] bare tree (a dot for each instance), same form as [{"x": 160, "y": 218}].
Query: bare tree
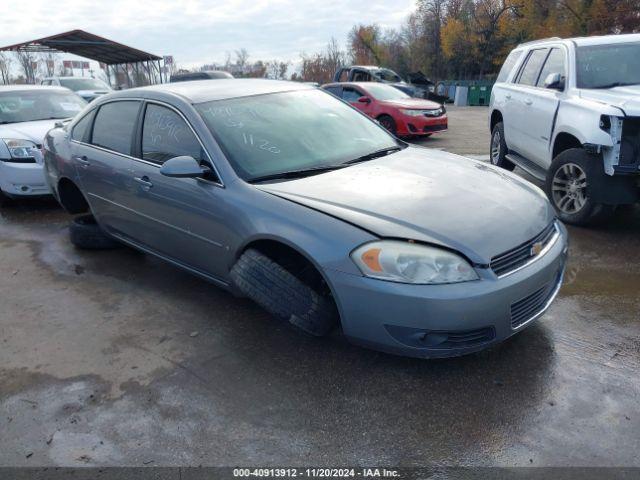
[
  {"x": 242, "y": 58},
  {"x": 5, "y": 68},
  {"x": 48, "y": 62},
  {"x": 28, "y": 63}
]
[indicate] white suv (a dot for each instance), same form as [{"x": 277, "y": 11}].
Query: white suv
[{"x": 568, "y": 112}]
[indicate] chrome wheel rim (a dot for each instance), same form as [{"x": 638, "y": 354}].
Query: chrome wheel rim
[
  {"x": 495, "y": 147},
  {"x": 569, "y": 188}
]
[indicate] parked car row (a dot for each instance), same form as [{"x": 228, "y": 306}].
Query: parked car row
[{"x": 306, "y": 200}]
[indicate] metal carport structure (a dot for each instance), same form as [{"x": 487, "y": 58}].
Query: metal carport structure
[{"x": 115, "y": 56}]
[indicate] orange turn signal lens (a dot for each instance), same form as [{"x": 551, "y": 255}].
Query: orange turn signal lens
[{"x": 371, "y": 258}]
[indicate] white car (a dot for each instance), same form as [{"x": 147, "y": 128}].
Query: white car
[
  {"x": 27, "y": 113},
  {"x": 567, "y": 111},
  {"x": 87, "y": 87}
]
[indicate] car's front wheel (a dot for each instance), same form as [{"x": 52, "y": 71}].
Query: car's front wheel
[
  {"x": 389, "y": 123},
  {"x": 498, "y": 148},
  {"x": 570, "y": 185}
]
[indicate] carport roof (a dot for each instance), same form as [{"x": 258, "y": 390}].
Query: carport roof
[{"x": 85, "y": 44}]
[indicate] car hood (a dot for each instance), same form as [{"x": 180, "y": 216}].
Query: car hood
[
  {"x": 34, "y": 131},
  {"x": 626, "y": 98},
  {"x": 429, "y": 196},
  {"x": 414, "y": 103}
]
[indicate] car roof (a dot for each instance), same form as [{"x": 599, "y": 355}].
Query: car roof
[
  {"x": 584, "y": 41},
  {"x": 23, "y": 88},
  {"x": 199, "y": 91}
]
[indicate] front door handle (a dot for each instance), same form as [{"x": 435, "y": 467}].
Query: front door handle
[
  {"x": 144, "y": 181},
  {"x": 82, "y": 160},
  {"x": 528, "y": 101},
  {"x": 508, "y": 96}
]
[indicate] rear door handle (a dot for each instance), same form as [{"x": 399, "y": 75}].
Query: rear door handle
[
  {"x": 144, "y": 181},
  {"x": 82, "y": 160},
  {"x": 528, "y": 101},
  {"x": 508, "y": 96}
]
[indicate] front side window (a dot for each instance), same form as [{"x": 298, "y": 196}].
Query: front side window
[
  {"x": 287, "y": 131},
  {"x": 608, "y": 66},
  {"x": 333, "y": 90},
  {"x": 387, "y": 75},
  {"x": 554, "y": 64},
  {"x": 508, "y": 65},
  {"x": 350, "y": 95},
  {"x": 33, "y": 105},
  {"x": 166, "y": 135},
  {"x": 531, "y": 69},
  {"x": 114, "y": 126}
]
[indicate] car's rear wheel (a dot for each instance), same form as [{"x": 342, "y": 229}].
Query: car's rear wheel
[
  {"x": 86, "y": 234},
  {"x": 498, "y": 149},
  {"x": 389, "y": 123},
  {"x": 283, "y": 294},
  {"x": 570, "y": 185},
  {"x": 3, "y": 199}
]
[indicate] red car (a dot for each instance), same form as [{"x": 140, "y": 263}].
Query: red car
[{"x": 399, "y": 113}]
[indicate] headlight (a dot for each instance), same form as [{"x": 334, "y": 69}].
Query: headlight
[
  {"x": 22, "y": 150},
  {"x": 406, "y": 262},
  {"x": 413, "y": 113},
  {"x": 435, "y": 112}
]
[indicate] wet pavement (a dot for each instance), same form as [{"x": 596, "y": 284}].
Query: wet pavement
[{"x": 115, "y": 358}]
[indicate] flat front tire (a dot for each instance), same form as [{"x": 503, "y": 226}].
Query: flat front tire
[
  {"x": 282, "y": 294},
  {"x": 573, "y": 177},
  {"x": 498, "y": 148}
]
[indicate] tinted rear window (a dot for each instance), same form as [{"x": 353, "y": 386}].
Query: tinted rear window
[{"x": 114, "y": 126}]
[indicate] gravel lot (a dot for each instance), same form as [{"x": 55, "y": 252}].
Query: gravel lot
[{"x": 115, "y": 358}]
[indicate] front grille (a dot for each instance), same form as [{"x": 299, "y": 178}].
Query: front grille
[
  {"x": 434, "y": 128},
  {"x": 515, "y": 258},
  {"x": 468, "y": 338},
  {"x": 529, "y": 307}
]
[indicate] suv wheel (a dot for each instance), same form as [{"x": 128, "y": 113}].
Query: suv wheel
[
  {"x": 571, "y": 181},
  {"x": 498, "y": 148}
]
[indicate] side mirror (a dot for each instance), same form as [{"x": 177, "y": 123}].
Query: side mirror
[
  {"x": 364, "y": 99},
  {"x": 554, "y": 81},
  {"x": 182, "y": 167}
]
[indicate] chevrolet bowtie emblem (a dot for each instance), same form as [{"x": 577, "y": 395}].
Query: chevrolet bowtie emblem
[{"x": 536, "y": 248}]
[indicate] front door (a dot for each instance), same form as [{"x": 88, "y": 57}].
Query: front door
[{"x": 179, "y": 218}]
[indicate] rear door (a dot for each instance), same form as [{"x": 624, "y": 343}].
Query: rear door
[
  {"x": 518, "y": 137},
  {"x": 540, "y": 107},
  {"x": 182, "y": 219},
  {"x": 101, "y": 151}
]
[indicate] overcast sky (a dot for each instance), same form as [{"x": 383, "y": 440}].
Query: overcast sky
[{"x": 199, "y": 31}]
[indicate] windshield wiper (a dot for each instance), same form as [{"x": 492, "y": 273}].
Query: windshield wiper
[
  {"x": 296, "y": 173},
  {"x": 370, "y": 156},
  {"x": 613, "y": 85}
]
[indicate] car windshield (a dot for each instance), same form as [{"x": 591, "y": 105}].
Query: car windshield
[
  {"x": 77, "y": 84},
  {"x": 387, "y": 75},
  {"x": 28, "y": 106},
  {"x": 275, "y": 133},
  {"x": 608, "y": 66},
  {"x": 385, "y": 92}
]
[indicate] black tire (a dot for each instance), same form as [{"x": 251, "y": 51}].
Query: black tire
[
  {"x": 282, "y": 294},
  {"x": 389, "y": 123},
  {"x": 498, "y": 148},
  {"x": 86, "y": 234},
  {"x": 3, "y": 199},
  {"x": 573, "y": 177}
]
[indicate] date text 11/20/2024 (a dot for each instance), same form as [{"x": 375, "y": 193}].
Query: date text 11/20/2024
[{"x": 316, "y": 472}]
